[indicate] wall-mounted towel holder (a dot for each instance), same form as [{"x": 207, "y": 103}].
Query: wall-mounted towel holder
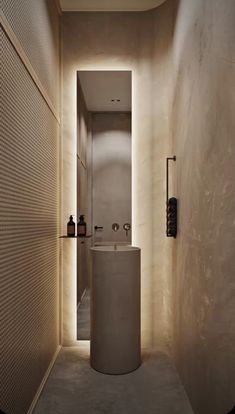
[{"x": 171, "y": 206}]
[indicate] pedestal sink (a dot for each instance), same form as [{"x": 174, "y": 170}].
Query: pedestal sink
[{"x": 115, "y": 309}]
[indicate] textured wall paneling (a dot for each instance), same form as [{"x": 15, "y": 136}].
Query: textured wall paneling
[
  {"x": 36, "y": 26},
  {"x": 29, "y": 227},
  {"x": 15, "y": 42}
]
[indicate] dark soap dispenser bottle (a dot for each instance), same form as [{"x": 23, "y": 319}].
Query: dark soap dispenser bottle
[
  {"x": 81, "y": 227},
  {"x": 71, "y": 227}
]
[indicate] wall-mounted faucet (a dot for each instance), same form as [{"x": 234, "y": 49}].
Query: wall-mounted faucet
[
  {"x": 127, "y": 228},
  {"x": 98, "y": 228}
]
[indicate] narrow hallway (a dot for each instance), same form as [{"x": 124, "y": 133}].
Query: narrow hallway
[{"x": 117, "y": 166}]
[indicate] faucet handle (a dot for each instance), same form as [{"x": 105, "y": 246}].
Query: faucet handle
[
  {"x": 98, "y": 228},
  {"x": 115, "y": 226},
  {"x": 127, "y": 228}
]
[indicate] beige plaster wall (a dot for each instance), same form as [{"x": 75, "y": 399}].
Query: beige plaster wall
[
  {"x": 182, "y": 58},
  {"x": 111, "y": 175},
  {"x": 161, "y": 147},
  {"x": 83, "y": 190},
  {"x": 122, "y": 41},
  {"x": 203, "y": 126}
]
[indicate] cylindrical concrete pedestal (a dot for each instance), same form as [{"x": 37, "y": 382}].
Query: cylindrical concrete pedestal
[{"x": 115, "y": 309}]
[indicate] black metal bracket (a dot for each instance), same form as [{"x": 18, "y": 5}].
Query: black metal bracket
[{"x": 171, "y": 206}]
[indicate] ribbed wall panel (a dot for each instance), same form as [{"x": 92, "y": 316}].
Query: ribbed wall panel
[
  {"x": 36, "y": 25},
  {"x": 29, "y": 223}
]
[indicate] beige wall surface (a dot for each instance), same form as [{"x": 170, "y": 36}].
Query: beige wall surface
[
  {"x": 161, "y": 147},
  {"x": 182, "y": 60},
  {"x": 203, "y": 126},
  {"x": 122, "y": 41},
  {"x": 83, "y": 191},
  {"x": 29, "y": 203},
  {"x": 111, "y": 175}
]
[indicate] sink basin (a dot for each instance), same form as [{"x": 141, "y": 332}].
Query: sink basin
[
  {"x": 113, "y": 247},
  {"x": 115, "y": 309},
  {"x": 111, "y": 243}
]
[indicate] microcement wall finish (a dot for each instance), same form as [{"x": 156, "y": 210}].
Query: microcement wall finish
[
  {"x": 182, "y": 59},
  {"x": 111, "y": 175},
  {"x": 123, "y": 41},
  {"x": 203, "y": 126}
]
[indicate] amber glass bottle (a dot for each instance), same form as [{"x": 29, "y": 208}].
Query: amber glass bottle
[
  {"x": 71, "y": 227},
  {"x": 81, "y": 227}
]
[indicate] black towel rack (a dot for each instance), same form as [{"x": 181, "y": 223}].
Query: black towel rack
[{"x": 171, "y": 205}]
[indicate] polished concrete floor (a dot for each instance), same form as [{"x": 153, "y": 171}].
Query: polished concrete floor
[{"x": 75, "y": 388}]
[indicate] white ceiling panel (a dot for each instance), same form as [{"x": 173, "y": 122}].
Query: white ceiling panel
[
  {"x": 109, "y": 5},
  {"x": 106, "y": 91}
]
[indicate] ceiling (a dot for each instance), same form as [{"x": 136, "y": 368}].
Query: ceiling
[
  {"x": 106, "y": 91},
  {"x": 109, "y": 5}
]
